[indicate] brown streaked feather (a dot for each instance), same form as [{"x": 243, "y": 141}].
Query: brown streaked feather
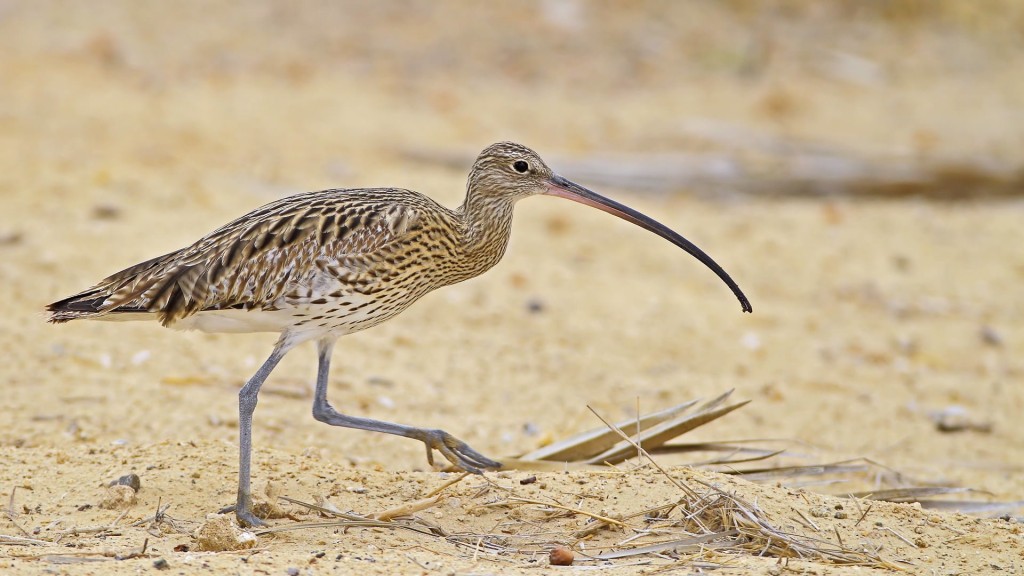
[
  {"x": 253, "y": 261},
  {"x": 90, "y": 302}
]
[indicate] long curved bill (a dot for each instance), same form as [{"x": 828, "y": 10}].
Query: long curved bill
[{"x": 563, "y": 188}]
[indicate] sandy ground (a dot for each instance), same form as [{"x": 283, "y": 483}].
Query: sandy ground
[{"x": 130, "y": 129}]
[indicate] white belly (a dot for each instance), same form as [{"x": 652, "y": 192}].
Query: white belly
[
  {"x": 236, "y": 321},
  {"x": 302, "y": 321}
]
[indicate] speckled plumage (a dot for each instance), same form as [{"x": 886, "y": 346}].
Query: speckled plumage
[
  {"x": 319, "y": 265},
  {"x": 303, "y": 263}
]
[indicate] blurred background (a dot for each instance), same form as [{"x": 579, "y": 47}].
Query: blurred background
[
  {"x": 786, "y": 96},
  {"x": 855, "y": 165}
]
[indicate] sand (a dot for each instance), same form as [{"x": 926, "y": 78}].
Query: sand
[{"x": 128, "y": 130}]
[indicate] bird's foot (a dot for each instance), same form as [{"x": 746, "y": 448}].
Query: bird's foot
[
  {"x": 244, "y": 515},
  {"x": 247, "y": 518},
  {"x": 455, "y": 451}
]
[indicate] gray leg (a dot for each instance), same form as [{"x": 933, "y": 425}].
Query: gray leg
[
  {"x": 453, "y": 449},
  {"x": 247, "y": 398}
]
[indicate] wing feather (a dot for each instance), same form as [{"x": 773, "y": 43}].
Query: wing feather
[{"x": 255, "y": 260}]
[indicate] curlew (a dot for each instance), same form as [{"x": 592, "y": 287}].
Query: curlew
[{"x": 320, "y": 265}]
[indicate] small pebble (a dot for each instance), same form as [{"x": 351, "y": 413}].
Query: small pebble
[
  {"x": 528, "y": 480},
  {"x": 751, "y": 341},
  {"x": 293, "y": 571},
  {"x": 561, "y": 556},
  {"x": 131, "y": 480},
  {"x": 10, "y": 238},
  {"x": 106, "y": 212},
  {"x": 990, "y": 336},
  {"x": 140, "y": 357},
  {"x": 821, "y": 512},
  {"x": 161, "y": 564},
  {"x": 380, "y": 381}
]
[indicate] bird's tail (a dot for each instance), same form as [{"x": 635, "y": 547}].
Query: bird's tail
[
  {"x": 82, "y": 305},
  {"x": 111, "y": 296}
]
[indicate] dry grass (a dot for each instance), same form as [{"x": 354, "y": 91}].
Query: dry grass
[
  {"x": 702, "y": 522},
  {"x": 699, "y": 522}
]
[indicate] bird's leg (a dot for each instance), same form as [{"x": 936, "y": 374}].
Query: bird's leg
[
  {"x": 454, "y": 450},
  {"x": 247, "y": 398}
]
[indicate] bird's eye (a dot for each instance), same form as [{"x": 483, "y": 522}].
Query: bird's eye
[{"x": 520, "y": 166}]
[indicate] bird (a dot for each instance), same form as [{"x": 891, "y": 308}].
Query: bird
[{"x": 319, "y": 265}]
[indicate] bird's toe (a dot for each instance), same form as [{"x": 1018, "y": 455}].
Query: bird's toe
[
  {"x": 247, "y": 518},
  {"x": 244, "y": 515},
  {"x": 457, "y": 452}
]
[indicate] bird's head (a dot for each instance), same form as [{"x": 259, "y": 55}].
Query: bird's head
[
  {"x": 506, "y": 172},
  {"x": 509, "y": 171}
]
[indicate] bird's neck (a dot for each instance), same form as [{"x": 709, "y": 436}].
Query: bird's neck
[{"x": 487, "y": 225}]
